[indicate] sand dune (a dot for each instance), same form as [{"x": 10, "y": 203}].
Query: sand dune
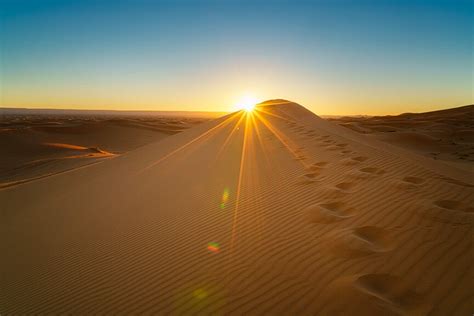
[
  {"x": 274, "y": 212},
  {"x": 37, "y": 146},
  {"x": 446, "y": 135}
]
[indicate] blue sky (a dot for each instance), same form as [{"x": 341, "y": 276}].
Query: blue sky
[{"x": 335, "y": 57}]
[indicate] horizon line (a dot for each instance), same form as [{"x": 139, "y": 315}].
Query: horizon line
[{"x": 212, "y": 112}]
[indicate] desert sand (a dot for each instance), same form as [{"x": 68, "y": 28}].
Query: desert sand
[
  {"x": 42, "y": 143},
  {"x": 446, "y": 135},
  {"x": 275, "y": 212}
]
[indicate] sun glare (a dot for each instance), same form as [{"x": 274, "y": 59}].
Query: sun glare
[{"x": 247, "y": 103}]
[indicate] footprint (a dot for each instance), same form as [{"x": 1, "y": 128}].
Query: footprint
[
  {"x": 354, "y": 160},
  {"x": 392, "y": 290},
  {"x": 345, "y": 186},
  {"x": 299, "y": 157},
  {"x": 333, "y": 148},
  {"x": 454, "y": 205},
  {"x": 317, "y": 167},
  {"x": 360, "y": 158},
  {"x": 408, "y": 183},
  {"x": 361, "y": 241},
  {"x": 374, "y": 294},
  {"x": 312, "y": 175},
  {"x": 341, "y": 145},
  {"x": 329, "y": 212},
  {"x": 372, "y": 170},
  {"x": 413, "y": 180},
  {"x": 309, "y": 177},
  {"x": 314, "y": 169},
  {"x": 320, "y": 164},
  {"x": 349, "y": 162}
]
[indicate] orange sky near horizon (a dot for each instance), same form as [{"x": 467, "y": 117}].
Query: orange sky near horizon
[{"x": 352, "y": 103}]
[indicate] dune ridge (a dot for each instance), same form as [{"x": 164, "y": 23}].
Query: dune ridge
[{"x": 293, "y": 227}]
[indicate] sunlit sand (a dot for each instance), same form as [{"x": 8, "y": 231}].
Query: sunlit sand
[{"x": 267, "y": 210}]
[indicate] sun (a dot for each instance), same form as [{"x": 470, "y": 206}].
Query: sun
[
  {"x": 248, "y": 107},
  {"x": 247, "y": 103}
]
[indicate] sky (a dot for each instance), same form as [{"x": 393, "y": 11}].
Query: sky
[{"x": 334, "y": 57}]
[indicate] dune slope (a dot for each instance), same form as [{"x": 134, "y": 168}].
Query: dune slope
[
  {"x": 275, "y": 212},
  {"x": 39, "y": 146},
  {"x": 446, "y": 135}
]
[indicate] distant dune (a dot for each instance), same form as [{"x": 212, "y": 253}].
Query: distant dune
[
  {"x": 446, "y": 135},
  {"x": 38, "y": 144},
  {"x": 277, "y": 212}
]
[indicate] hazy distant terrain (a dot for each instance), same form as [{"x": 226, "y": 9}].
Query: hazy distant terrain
[
  {"x": 99, "y": 113},
  {"x": 37, "y": 143}
]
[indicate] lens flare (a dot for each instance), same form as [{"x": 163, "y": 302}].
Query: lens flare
[
  {"x": 225, "y": 198},
  {"x": 213, "y": 247},
  {"x": 200, "y": 294}
]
